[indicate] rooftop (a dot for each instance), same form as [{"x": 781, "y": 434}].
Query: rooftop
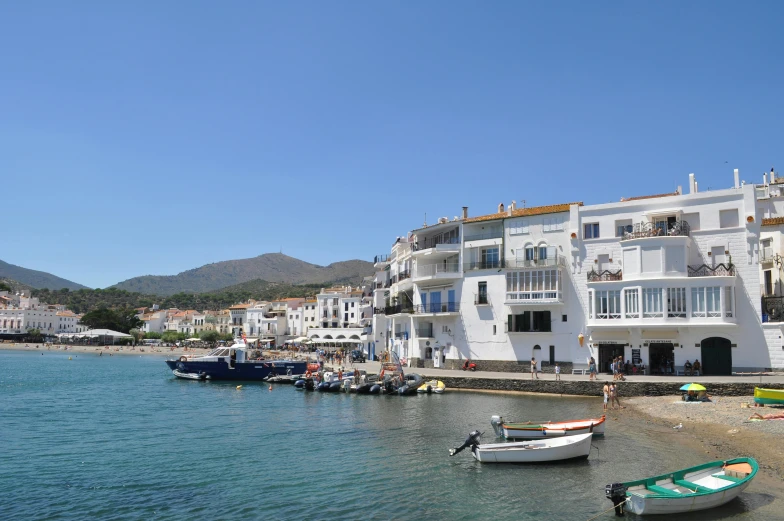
[
  {"x": 523, "y": 212},
  {"x": 773, "y": 221},
  {"x": 654, "y": 196}
]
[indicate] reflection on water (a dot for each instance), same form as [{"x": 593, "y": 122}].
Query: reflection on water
[{"x": 120, "y": 438}]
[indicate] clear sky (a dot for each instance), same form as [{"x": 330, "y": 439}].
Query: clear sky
[{"x": 152, "y": 137}]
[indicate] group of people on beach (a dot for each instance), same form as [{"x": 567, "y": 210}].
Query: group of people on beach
[{"x": 610, "y": 391}]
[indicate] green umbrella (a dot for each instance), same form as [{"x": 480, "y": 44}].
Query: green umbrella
[{"x": 692, "y": 387}]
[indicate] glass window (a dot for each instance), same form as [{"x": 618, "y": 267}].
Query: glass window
[
  {"x": 713, "y": 301},
  {"x": 698, "y": 302},
  {"x": 652, "y": 303},
  {"x": 490, "y": 258},
  {"x": 728, "y": 301},
  {"x": 632, "y": 297},
  {"x": 676, "y": 302},
  {"x": 591, "y": 231}
]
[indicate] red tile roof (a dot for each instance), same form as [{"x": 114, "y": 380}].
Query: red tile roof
[
  {"x": 522, "y": 212},
  {"x": 773, "y": 221}
]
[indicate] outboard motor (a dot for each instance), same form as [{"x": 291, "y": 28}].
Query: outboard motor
[
  {"x": 616, "y": 492},
  {"x": 473, "y": 439},
  {"x": 310, "y": 385},
  {"x": 497, "y": 423}
]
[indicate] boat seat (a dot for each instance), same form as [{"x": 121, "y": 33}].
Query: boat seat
[
  {"x": 691, "y": 486},
  {"x": 656, "y": 489},
  {"x": 727, "y": 478}
]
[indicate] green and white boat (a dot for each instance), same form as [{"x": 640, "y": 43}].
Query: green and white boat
[{"x": 696, "y": 488}]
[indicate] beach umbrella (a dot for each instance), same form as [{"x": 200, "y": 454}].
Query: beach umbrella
[{"x": 692, "y": 387}]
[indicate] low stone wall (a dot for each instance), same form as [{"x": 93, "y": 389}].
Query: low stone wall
[
  {"x": 503, "y": 366},
  {"x": 594, "y": 388}
]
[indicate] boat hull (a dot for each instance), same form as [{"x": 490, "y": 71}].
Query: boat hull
[
  {"x": 535, "y": 451},
  {"x": 247, "y": 371},
  {"x": 768, "y": 396},
  {"x": 701, "y": 487},
  {"x": 523, "y": 431}
]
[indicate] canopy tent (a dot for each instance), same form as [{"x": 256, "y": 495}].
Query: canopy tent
[
  {"x": 300, "y": 339},
  {"x": 94, "y": 333},
  {"x": 194, "y": 339}
]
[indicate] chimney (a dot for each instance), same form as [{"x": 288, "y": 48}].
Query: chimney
[
  {"x": 772, "y": 176},
  {"x": 679, "y": 191},
  {"x": 500, "y": 207},
  {"x": 764, "y": 179},
  {"x": 513, "y": 206},
  {"x": 692, "y": 184},
  {"x": 465, "y": 212},
  {"x": 696, "y": 187},
  {"x": 737, "y": 178}
]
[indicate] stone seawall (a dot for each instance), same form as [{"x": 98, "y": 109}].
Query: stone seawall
[{"x": 588, "y": 388}]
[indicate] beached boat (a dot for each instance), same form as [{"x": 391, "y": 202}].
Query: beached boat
[
  {"x": 548, "y": 429},
  {"x": 234, "y": 363},
  {"x": 189, "y": 376},
  {"x": 432, "y": 386},
  {"x": 533, "y": 451},
  {"x": 696, "y": 488},
  {"x": 769, "y": 396}
]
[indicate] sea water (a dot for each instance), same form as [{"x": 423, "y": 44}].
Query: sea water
[{"x": 119, "y": 437}]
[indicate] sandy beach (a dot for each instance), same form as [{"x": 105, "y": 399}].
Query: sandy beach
[
  {"x": 718, "y": 428},
  {"x": 168, "y": 352}
]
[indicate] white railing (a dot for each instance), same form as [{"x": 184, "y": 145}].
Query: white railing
[
  {"x": 767, "y": 254},
  {"x": 433, "y": 270},
  {"x": 533, "y": 297}
]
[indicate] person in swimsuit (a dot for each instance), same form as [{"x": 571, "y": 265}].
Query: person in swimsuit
[{"x": 606, "y": 391}]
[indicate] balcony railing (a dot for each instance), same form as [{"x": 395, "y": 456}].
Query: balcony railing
[
  {"x": 398, "y": 309},
  {"x": 534, "y": 297},
  {"x": 495, "y": 234},
  {"x": 480, "y": 300},
  {"x": 558, "y": 260},
  {"x": 437, "y": 307},
  {"x": 432, "y": 242},
  {"x": 720, "y": 270},
  {"x": 482, "y": 265},
  {"x": 403, "y": 275},
  {"x": 424, "y": 332},
  {"x": 605, "y": 275},
  {"x": 432, "y": 270},
  {"x": 650, "y": 229},
  {"x": 767, "y": 255},
  {"x": 773, "y": 309},
  {"x": 380, "y": 258}
]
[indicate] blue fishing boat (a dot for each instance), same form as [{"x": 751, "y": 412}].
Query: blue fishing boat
[{"x": 234, "y": 363}]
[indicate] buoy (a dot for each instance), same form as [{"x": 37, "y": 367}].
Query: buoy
[
  {"x": 270, "y": 388},
  {"x": 239, "y": 387},
  {"x": 69, "y": 358}
]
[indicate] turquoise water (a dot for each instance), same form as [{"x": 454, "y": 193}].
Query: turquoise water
[{"x": 121, "y": 438}]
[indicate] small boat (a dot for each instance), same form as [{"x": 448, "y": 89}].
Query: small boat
[
  {"x": 769, "y": 396},
  {"x": 695, "y": 488},
  {"x": 432, "y": 386},
  {"x": 190, "y": 376},
  {"x": 548, "y": 429},
  {"x": 533, "y": 451}
]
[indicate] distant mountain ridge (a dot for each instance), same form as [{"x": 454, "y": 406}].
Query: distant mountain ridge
[
  {"x": 34, "y": 278},
  {"x": 270, "y": 267}
]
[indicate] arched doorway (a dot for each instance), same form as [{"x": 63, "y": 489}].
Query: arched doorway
[{"x": 716, "y": 356}]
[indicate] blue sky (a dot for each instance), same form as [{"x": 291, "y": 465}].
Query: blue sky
[{"x": 154, "y": 137}]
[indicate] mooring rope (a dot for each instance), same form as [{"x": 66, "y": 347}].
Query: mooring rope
[{"x": 611, "y": 508}]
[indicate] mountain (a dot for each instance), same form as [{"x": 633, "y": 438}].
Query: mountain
[
  {"x": 36, "y": 279},
  {"x": 270, "y": 267},
  {"x": 16, "y": 287}
]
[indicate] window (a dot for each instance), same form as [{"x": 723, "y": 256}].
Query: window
[
  {"x": 607, "y": 304},
  {"x": 728, "y": 218},
  {"x": 494, "y": 326},
  {"x": 490, "y": 258},
  {"x": 563, "y": 318},
  {"x": 481, "y": 293},
  {"x": 728, "y": 301},
  {"x": 530, "y": 253},
  {"x": 529, "y": 321},
  {"x": 676, "y": 302},
  {"x": 623, "y": 226},
  {"x": 591, "y": 231},
  {"x": 518, "y": 227},
  {"x": 345, "y": 306},
  {"x": 652, "y": 303},
  {"x": 632, "y": 298},
  {"x": 552, "y": 224}
]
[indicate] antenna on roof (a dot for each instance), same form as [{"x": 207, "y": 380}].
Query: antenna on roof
[
  {"x": 523, "y": 201},
  {"x": 425, "y": 223}
]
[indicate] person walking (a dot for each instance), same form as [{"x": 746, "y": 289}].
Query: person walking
[
  {"x": 614, "y": 397},
  {"x": 533, "y": 369},
  {"x": 557, "y": 371},
  {"x": 606, "y": 391},
  {"x": 592, "y": 369}
]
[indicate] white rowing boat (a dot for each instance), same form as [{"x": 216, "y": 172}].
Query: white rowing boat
[
  {"x": 548, "y": 429},
  {"x": 533, "y": 451}
]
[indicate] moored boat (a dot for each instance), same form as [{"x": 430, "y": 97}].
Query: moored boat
[
  {"x": 189, "y": 376},
  {"x": 768, "y": 396},
  {"x": 548, "y": 429},
  {"x": 532, "y": 451},
  {"x": 234, "y": 363},
  {"x": 695, "y": 488},
  {"x": 432, "y": 386}
]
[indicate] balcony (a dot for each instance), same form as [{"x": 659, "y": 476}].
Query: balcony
[
  {"x": 494, "y": 234},
  {"x": 557, "y": 261},
  {"x": 533, "y": 298},
  {"x": 398, "y": 309},
  {"x": 437, "y": 246},
  {"x": 605, "y": 275},
  {"x": 435, "y": 273},
  {"x": 481, "y": 300},
  {"x": 767, "y": 256},
  {"x": 437, "y": 307},
  {"x": 381, "y": 259},
  {"x": 647, "y": 230},
  {"x": 773, "y": 309},
  {"x": 482, "y": 265},
  {"x": 720, "y": 270}
]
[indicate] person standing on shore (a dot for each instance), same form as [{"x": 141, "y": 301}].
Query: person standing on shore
[
  {"x": 533, "y": 369},
  {"x": 557, "y": 371},
  {"x": 606, "y": 391},
  {"x": 591, "y": 369}
]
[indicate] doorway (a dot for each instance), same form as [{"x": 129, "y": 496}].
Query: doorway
[
  {"x": 716, "y": 356},
  {"x": 608, "y": 352},
  {"x": 661, "y": 358}
]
